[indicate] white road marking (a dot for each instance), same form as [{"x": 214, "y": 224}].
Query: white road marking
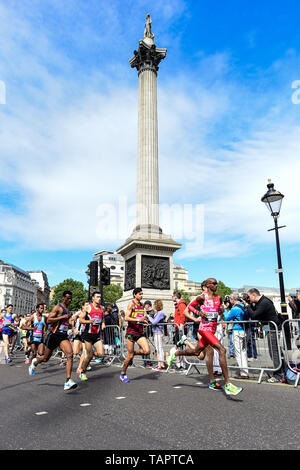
[
  {"x": 177, "y": 387},
  {"x": 85, "y": 404},
  {"x": 39, "y": 413},
  {"x": 152, "y": 391},
  {"x": 120, "y": 398}
]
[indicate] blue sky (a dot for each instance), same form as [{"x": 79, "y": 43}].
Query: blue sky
[{"x": 229, "y": 119}]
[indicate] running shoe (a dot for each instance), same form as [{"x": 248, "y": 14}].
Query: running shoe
[
  {"x": 82, "y": 376},
  {"x": 124, "y": 378},
  {"x": 231, "y": 389},
  {"x": 32, "y": 367},
  {"x": 214, "y": 385},
  {"x": 27, "y": 361},
  {"x": 70, "y": 384},
  {"x": 8, "y": 360},
  {"x": 99, "y": 360},
  {"x": 172, "y": 358},
  {"x": 181, "y": 341}
]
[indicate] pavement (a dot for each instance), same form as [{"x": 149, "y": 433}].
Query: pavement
[{"x": 155, "y": 410}]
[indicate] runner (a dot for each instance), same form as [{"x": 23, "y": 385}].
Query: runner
[
  {"x": 135, "y": 331},
  {"x": 8, "y": 329},
  {"x": 36, "y": 324},
  {"x": 78, "y": 341},
  {"x": 25, "y": 333},
  {"x": 58, "y": 337},
  {"x": 210, "y": 308},
  {"x": 93, "y": 319}
]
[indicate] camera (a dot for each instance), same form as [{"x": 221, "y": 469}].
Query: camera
[
  {"x": 227, "y": 299},
  {"x": 245, "y": 298}
]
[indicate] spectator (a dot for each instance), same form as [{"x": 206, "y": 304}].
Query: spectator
[
  {"x": 295, "y": 306},
  {"x": 158, "y": 332},
  {"x": 227, "y": 305},
  {"x": 179, "y": 321},
  {"x": 262, "y": 309},
  {"x": 251, "y": 330},
  {"x": 179, "y": 317},
  {"x": 109, "y": 342},
  {"x": 148, "y": 332},
  {"x": 239, "y": 336}
]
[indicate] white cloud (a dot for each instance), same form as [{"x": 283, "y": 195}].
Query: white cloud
[{"x": 69, "y": 144}]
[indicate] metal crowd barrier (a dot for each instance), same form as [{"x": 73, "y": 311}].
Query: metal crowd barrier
[
  {"x": 171, "y": 331},
  {"x": 292, "y": 356},
  {"x": 113, "y": 344},
  {"x": 255, "y": 347}
]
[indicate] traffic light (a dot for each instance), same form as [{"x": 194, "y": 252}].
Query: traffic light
[
  {"x": 93, "y": 268},
  {"x": 105, "y": 276}
]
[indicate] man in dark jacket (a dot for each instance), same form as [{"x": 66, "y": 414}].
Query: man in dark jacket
[
  {"x": 295, "y": 306},
  {"x": 262, "y": 309}
]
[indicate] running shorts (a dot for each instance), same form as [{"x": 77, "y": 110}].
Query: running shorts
[
  {"x": 91, "y": 338},
  {"x": 134, "y": 338},
  {"x": 53, "y": 340},
  {"x": 207, "y": 338},
  {"x": 78, "y": 338}
]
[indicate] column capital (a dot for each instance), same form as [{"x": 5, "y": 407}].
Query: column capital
[{"x": 148, "y": 56}]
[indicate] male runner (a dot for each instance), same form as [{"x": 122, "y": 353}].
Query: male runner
[
  {"x": 210, "y": 308},
  {"x": 8, "y": 329},
  {"x": 58, "y": 337},
  {"x": 78, "y": 342},
  {"x": 135, "y": 331},
  {"x": 36, "y": 325},
  {"x": 93, "y": 319}
]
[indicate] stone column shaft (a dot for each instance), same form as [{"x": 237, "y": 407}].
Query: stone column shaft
[{"x": 147, "y": 172}]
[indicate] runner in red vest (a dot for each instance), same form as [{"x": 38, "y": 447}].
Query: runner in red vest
[
  {"x": 135, "y": 331},
  {"x": 210, "y": 307},
  {"x": 93, "y": 319}
]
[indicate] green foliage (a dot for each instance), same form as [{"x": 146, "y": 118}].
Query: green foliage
[
  {"x": 223, "y": 290},
  {"x": 112, "y": 293},
  {"x": 77, "y": 288},
  {"x": 185, "y": 295}
]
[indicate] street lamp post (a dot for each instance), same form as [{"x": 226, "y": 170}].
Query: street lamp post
[{"x": 273, "y": 200}]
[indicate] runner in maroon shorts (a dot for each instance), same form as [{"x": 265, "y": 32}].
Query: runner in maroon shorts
[
  {"x": 135, "y": 316},
  {"x": 210, "y": 307}
]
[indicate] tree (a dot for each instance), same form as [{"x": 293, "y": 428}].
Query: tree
[
  {"x": 112, "y": 293},
  {"x": 76, "y": 287},
  {"x": 185, "y": 295},
  {"x": 223, "y": 290}
]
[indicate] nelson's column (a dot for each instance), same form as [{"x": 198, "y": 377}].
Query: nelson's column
[{"x": 148, "y": 252}]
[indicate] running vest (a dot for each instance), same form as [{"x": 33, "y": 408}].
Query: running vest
[
  {"x": 211, "y": 307},
  {"x": 61, "y": 326},
  {"x": 95, "y": 314},
  {"x": 37, "y": 333},
  {"x": 136, "y": 328},
  {"x": 7, "y": 323}
]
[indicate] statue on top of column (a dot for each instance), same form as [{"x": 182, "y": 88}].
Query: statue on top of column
[{"x": 147, "y": 31}]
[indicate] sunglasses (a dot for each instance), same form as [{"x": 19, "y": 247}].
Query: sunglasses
[{"x": 214, "y": 283}]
